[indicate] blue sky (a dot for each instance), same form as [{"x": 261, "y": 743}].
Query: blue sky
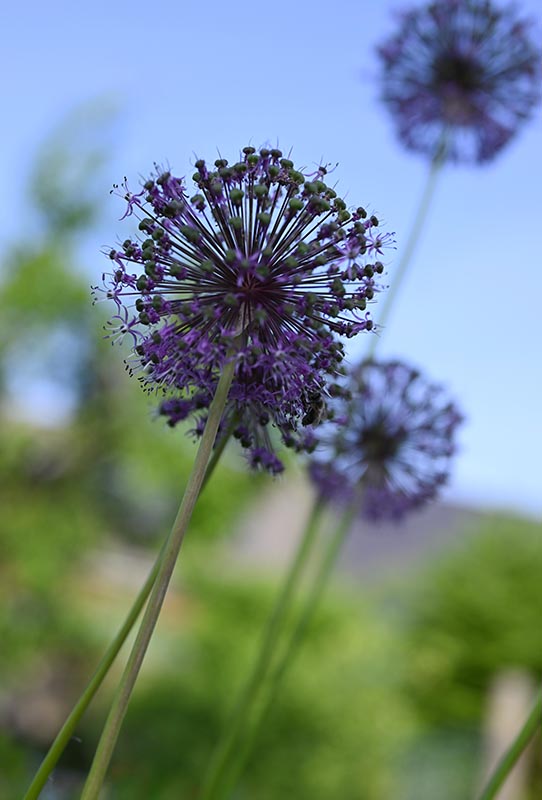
[{"x": 193, "y": 78}]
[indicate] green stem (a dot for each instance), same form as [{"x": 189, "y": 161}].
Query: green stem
[
  {"x": 315, "y": 594},
  {"x": 66, "y": 732},
  {"x": 219, "y": 449},
  {"x": 410, "y": 246},
  {"x": 507, "y": 762},
  {"x": 228, "y": 742},
  {"x": 173, "y": 544},
  {"x": 313, "y": 598}
]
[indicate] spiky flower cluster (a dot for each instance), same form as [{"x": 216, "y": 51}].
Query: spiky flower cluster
[
  {"x": 460, "y": 77},
  {"x": 261, "y": 263},
  {"x": 387, "y": 448}
]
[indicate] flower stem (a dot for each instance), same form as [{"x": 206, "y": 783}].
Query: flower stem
[
  {"x": 212, "y": 785},
  {"x": 532, "y": 724},
  {"x": 66, "y": 732},
  {"x": 276, "y": 678},
  {"x": 111, "y": 730},
  {"x": 410, "y": 246},
  {"x": 219, "y": 449}
]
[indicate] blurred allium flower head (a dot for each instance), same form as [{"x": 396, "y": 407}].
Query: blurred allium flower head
[
  {"x": 460, "y": 77},
  {"x": 388, "y": 444},
  {"x": 260, "y": 263}
]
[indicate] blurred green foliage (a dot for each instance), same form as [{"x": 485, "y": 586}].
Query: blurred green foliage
[
  {"x": 475, "y": 612},
  {"x": 67, "y": 181},
  {"x": 378, "y": 705}
]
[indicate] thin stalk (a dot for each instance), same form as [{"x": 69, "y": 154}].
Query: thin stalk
[
  {"x": 111, "y": 730},
  {"x": 410, "y": 246},
  {"x": 276, "y": 679},
  {"x": 229, "y": 739},
  {"x": 219, "y": 449},
  {"x": 532, "y": 724},
  {"x": 66, "y": 732}
]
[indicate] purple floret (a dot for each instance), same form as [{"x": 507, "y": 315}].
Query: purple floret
[
  {"x": 460, "y": 77},
  {"x": 388, "y": 446},
  {"x": 259, "y": 264}
]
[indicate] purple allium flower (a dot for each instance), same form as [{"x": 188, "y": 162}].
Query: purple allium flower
[
  {"x": 460, "y": 77},
  {"x": 388, "y": 444},
  {"x": 258, "y": 261}
]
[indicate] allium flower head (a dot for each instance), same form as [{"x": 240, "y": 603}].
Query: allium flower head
[
  {"x": 460, "y": 76},
  {"x": 259, "y": 262},
  {"x": 388, "y": 446}
]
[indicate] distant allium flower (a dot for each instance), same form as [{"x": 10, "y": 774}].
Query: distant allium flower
[
  {"x": 460, "y": 75},
  {"x": 260, "y": 261},
  {"x": 388, "y": 446}
]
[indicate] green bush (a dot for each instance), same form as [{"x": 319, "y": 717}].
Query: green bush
[{"x": 473, "y": 614}]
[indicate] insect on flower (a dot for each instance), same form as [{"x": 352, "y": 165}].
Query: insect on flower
[{"x": 315, "y": 408}]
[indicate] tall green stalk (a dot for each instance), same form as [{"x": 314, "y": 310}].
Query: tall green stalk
[
  {"x": 271, "y": 690},
  {"x": 66, "y": 732},
  {"x": 229, "y": 740},
  {"x": 168, "y": 560},
  {"x": 410, "y": 246},
  {"x": 532, "y": 724}
]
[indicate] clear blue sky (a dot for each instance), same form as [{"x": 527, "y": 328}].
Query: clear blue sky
[{"x": 191, "y": 77}]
